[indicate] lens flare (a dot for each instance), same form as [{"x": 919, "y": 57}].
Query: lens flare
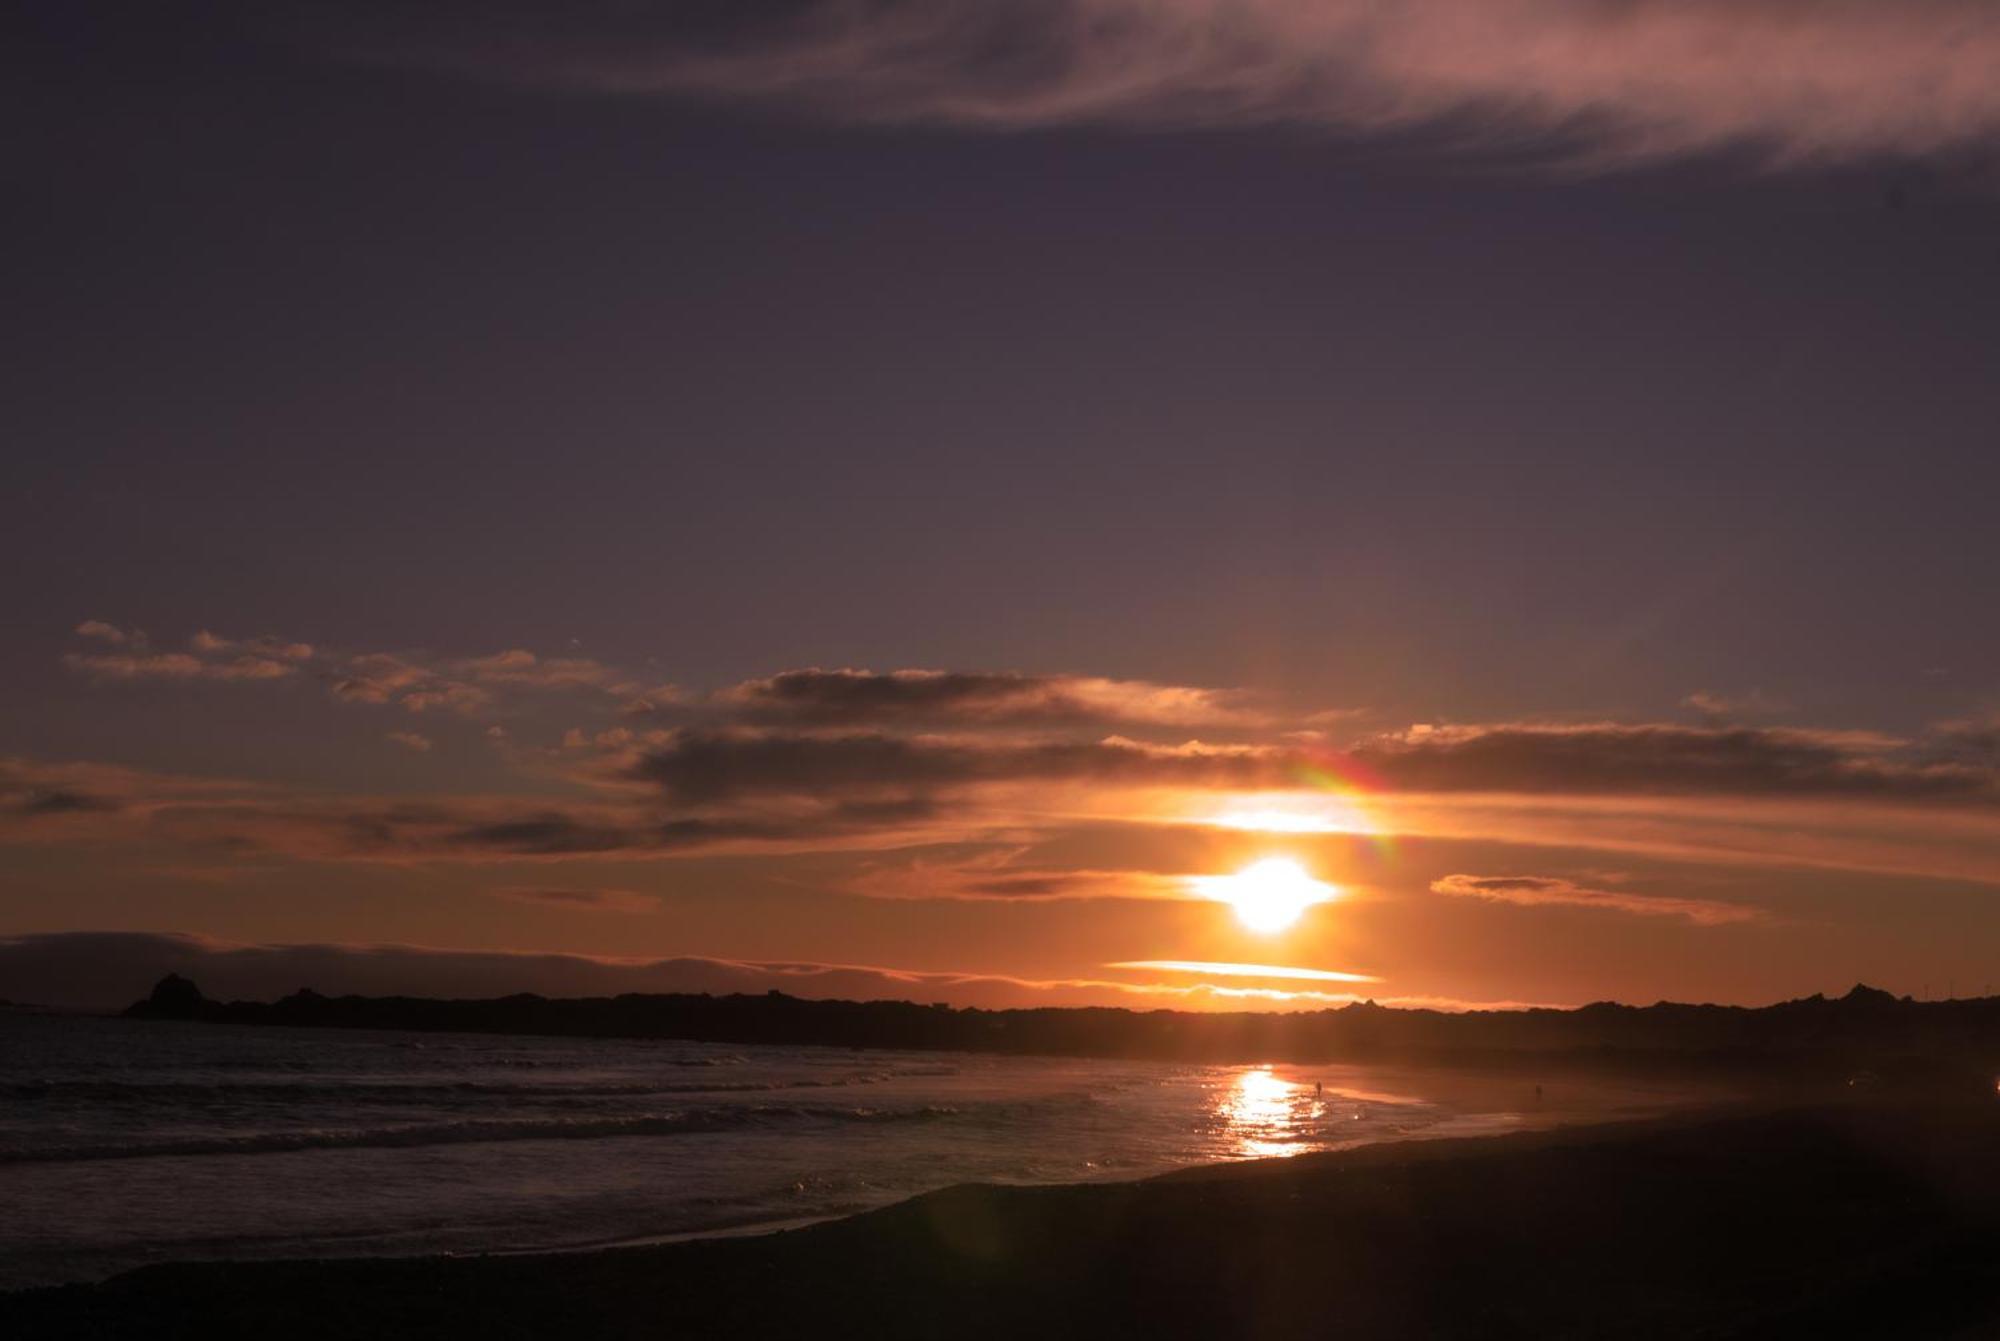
[{"x": 1327, "y": 793}]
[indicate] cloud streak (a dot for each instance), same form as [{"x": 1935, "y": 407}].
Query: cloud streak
[
  {"x": 1613, "y": 80},
  {"x": 851, "y": 697},
  {"x": 1231, "y": 970},
  {"x": 1537, "y": 891},
  {"x": 588, "y": 900},
  {"x": 417, "y": 682},
  {"x": 704, "y": 766},
  {"x": 1670, "y": 760}
]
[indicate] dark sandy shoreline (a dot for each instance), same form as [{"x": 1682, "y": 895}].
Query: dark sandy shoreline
[{"x": 1869, "y": 1218}]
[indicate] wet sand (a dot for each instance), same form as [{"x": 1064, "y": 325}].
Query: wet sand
[{"x": 1874, "y": 1218}]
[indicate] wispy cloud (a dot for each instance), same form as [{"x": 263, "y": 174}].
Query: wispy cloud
[
  {"x": 589, "y": 900},
  {"x": 1722, "y": 708},
  {"x": 208, "y": 657},
  {"x": 209, "y": 644},
  {"x": 475, "y": 686},
  {"x": 1228, "y": 970},
  {"x": 979, "y": 882},
  {"x": 1598, "y": 758},
  {"x": 697, "y": 766},
  {"x": 1613, "y": 80},
  {"x": 102, "y": 632},
  {"x": 416, "y": 682},
  {"x": 1534, "y": 891},
  {"x": 851, "y": 697}
]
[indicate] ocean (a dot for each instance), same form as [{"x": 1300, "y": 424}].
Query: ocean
[{"x": 128, "y": 1142}]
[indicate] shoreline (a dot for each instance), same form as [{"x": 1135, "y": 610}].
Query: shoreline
[
  {"x": 1447, "y": 1104},
  {"x": 1557, "y": 1120},
  {"x": 1740, "y": 1220}
]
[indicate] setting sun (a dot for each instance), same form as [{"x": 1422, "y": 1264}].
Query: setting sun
[{"x": 1271, "y": 894}]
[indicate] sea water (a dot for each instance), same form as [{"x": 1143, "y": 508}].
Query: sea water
[{"x": 127, "y": 1142}]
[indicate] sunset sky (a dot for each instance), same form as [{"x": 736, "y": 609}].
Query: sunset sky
[{"x": 897, "y": 498}]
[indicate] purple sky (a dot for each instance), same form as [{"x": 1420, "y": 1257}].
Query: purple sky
[{"x": 1567, "y": 427}]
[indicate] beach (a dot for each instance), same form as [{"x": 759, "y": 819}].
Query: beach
[
  {"x": 125, "y": 1143},
  {"x": 1868, "y": 1217}
]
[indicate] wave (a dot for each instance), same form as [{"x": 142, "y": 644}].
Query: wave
[
  {"x": 477, "y": 1131},
  {"x": 484, "y": 1055},
  {"x": 207, "y": 1092}
]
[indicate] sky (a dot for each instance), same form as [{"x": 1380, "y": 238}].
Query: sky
[{"x": 880, "y": 498}]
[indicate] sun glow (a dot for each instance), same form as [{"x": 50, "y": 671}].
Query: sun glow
[
  {"x": 1291, "y": 812},
  {"x": 1268, "y": 895},
  {"x": 1279, "y": 821},
  {"x": 1326, "y": 803}
]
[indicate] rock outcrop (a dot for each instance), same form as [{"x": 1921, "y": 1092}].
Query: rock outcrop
[{"x": 173, "y": 998}]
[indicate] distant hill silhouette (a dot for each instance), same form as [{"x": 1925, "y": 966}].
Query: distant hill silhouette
[{"x": 1866, "y": 1038}]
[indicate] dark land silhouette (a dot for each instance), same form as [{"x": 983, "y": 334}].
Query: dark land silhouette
[
  {"x": 1863, "y": 1218},
  {"x": 1867, "y": 1039}
]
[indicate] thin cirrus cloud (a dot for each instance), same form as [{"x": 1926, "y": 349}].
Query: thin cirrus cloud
[
  {"x": 588, "y": 900},
  {"x": 209, "y": 657},
  {"x": 237, "y": 820},
  {"x": 1535, "y": 891},
  {"x": 707, "y": 766},
  {"x": 996, "y": 877},
  {"x": 1656, "y": 758},
  {"x": 1617, "y": 80},
  {"x": 475, "y": 686},
  {"x": 849, "y": 697},
  {"x": 416, "y": 682},
  {"x": 1233, "y": 970},
  {"x": 1718, "y": 709}
]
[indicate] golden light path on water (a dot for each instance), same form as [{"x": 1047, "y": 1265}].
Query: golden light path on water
[
  {"x": 1260, "y": 1114},
  {"x": 1264, "y": 1116}
]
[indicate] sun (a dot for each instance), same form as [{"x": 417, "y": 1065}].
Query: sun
[{"x": 1271, "y": 894}]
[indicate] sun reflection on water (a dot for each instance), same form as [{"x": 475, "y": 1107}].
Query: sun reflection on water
[{"x": 1264, "y": 1117}]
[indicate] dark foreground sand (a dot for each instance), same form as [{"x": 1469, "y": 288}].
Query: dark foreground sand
[{"x": 1875, "y": 1220}]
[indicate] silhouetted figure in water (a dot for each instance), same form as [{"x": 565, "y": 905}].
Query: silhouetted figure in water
[
  {"x": 1538, "y": 1094},
  {"x": 1319, "y": 1089}
]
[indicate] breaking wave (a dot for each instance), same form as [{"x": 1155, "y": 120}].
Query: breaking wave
[{"x": 481, "y": 1131}]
